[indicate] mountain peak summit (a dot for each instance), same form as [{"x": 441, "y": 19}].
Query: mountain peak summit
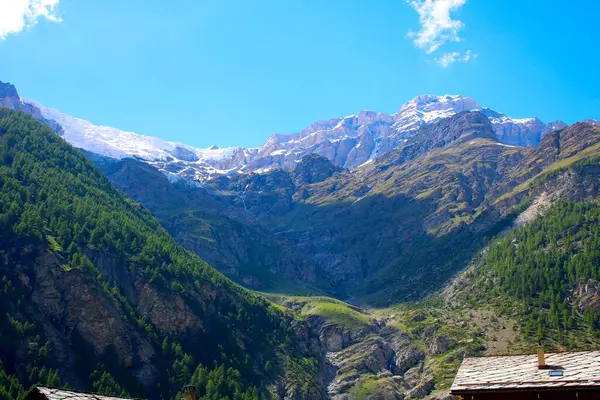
[
  {"x": 428, "y": 108},
  {"x": 8, "y": 90},
  {"x": 430, "y": 102}
]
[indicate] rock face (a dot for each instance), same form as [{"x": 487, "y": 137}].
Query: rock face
[
  {"x": 184, "y": 154},
  {"x": 464, "y": 126},
  {"x": 422, "y": 111},
  {"x": 68, "y": 301},
  {"x": 438, "y": 344},
  {"x": 578, "y": 182},
  {"x": 314, "y": 169},
  {"x": 356, "y": 353},
  {"x": 83, "y": 322},
  {"x": 9, "y": 95},
  {"x": 356, "y": 139},
  {"x": 9, "y": 98},
  {"x": 441, "y": 395},
  {"x": 385, "y": 354},
  {"x": 587, "y": 296},
  {"x": 520, "y": 132},
  {"x": 348, "y": 141}
]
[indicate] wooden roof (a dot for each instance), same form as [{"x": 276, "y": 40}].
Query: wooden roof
[
  {"x": 63, "y": 394},
  {"x": 579, "y": 369}
]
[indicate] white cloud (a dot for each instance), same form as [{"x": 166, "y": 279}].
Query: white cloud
[
  {"x": 437, "y": 25},
  {"x": 447, "y": 59},
  {"x": 16, "y": 15},
  {"x": 469, "y": 55}
]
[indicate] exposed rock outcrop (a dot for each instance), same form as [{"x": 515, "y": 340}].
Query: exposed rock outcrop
[
  {"x": 587, "y": 296},
  {"x": 72, "y": 302},
  {"x": 313, "y": 169},
  {"x": 9, "y": 98}
]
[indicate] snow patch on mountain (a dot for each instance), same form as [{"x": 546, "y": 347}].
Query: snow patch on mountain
[{"x": 115, "y": 143}]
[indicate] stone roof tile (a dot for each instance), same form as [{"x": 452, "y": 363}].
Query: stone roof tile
[
  {"x": 62, "y": 394},
  {"x": 522, "y": 372}
]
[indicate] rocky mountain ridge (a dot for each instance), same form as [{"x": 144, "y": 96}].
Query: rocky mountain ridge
[{"x": 349, "y": 142}]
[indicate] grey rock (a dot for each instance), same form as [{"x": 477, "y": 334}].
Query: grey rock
[{"x": 438, "y": 344}]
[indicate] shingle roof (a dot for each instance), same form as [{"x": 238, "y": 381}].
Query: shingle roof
[
  {"x": 62, "y": 394},
  {"x": 579, "y": 369}
]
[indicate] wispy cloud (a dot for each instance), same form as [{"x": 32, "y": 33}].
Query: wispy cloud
[
  {"x": 437, "y": 25},
  {"x": 447, "y": 59},
  {"x": 16, "y": 15}
]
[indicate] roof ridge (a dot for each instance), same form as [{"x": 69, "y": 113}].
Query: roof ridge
[{"x": 530, "y": 354}]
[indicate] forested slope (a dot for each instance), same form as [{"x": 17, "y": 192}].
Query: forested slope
[
  {"x": 547, "y": 273},
  {"x": 96, "y": 295}
]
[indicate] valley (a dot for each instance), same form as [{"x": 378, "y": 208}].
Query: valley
[{"x": 362, "y": 258}]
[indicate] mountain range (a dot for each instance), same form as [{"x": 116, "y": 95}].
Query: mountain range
[
  {"x": 379, "y": 250},
  {"x": 349, "y": 142},
  {"x": 350, "y": 206}
]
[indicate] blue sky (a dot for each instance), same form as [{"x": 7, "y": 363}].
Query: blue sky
[{"x": 234, "y": 72}]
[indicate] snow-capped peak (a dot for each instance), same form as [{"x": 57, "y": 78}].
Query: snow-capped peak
[
  {"x": 429, "y": 108},
  {"x": 431, "y": 103}
]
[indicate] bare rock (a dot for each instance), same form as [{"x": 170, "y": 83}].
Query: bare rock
[{"x": 438, "y": 344}]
